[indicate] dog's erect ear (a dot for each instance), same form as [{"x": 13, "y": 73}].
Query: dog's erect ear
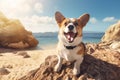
[
  {"x": 59, "y": 17},
  {"x": 83, "y": 19}
]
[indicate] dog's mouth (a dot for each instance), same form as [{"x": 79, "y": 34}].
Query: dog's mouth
[{"x": 70, "y": 36}]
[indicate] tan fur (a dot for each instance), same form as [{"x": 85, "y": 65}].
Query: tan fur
[
  {"x": 79, "y": 30},
  {"x": 82, "y": 50}
]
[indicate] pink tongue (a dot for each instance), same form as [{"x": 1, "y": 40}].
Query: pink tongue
[{"x": 70, "y": 36}]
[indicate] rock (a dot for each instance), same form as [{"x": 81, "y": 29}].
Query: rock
[
  {"x": 112, "y": 33},
  {"x": 4, "y": 71},
  {"x": 23, "y": 53},
  {"x": 91, "y": 48},
  {"x": 7, "y": 66},
  {"x": 14, "y": 35},
  {"x": 1, "y": 55},
  {"x": 4, "y": 50},
  {"x": 115, "y": 45},
  {"x": 100, "y": 64}
]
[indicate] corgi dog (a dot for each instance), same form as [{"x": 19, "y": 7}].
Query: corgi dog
[{"x": 70, "y": 46}]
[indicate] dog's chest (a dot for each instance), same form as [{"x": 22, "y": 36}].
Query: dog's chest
[{"x": 70, "y": 54}]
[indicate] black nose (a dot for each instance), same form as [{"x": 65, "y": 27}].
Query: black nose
[{"x": 70, "y": 27}]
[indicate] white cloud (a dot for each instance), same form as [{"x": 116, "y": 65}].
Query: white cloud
[
  {"x": 16, "y": 8},
  {"x": 28, "y": 11},
  {"x": 93, "y": 20},
  {"x": 40, "y": 23},
  {"x": 38, "y": 7},
  {"x": 109, "y": 19},
  {"x": 42, "y": 19}
]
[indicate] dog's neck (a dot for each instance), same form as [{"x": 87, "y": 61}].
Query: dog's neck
[{"x": 70, "y": 47}]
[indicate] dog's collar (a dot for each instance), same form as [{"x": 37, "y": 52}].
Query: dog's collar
[{"x": 70, "y": 47}]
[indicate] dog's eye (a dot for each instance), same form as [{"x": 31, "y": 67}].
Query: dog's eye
[
  {"x": 75, "y": 23},
  {"x": 65, "y": 23}
]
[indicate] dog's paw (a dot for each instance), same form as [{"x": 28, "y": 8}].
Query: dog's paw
[
  {"x": 76, "y": 72},
  {"x": 57, "y": 68}
]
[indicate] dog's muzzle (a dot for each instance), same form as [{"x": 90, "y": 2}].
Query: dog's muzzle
[
  {"x": 70, "y": 36},
  {"x": 70, "y": 27},
  {"x": 70, "y": 32}
]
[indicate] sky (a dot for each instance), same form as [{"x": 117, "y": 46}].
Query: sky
[{"x": 38, "y": 15}]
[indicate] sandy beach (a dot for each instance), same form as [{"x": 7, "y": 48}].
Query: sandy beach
[{"x": 18, "y": 65}]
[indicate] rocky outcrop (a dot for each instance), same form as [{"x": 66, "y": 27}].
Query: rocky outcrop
[
  {"x": 14, "y": 35},
  {"x": 112, "y": 33},
  {"x": 100, "y": 63}
]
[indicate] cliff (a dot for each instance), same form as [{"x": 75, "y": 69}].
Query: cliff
[
  {"x": 112, "y": 33},
  {"x": 14, "y": 35}
]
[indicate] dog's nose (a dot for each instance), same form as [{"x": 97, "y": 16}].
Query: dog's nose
[{"x": 70, "y": 27}]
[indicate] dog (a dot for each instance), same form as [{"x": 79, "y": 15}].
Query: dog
[{"x": 70, "y": 45}]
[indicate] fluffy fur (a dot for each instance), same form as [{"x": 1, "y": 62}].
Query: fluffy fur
[{"x": 70, "y": 44}]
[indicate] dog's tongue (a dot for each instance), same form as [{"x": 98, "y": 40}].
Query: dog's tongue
[{"x": 70, "y": 36}]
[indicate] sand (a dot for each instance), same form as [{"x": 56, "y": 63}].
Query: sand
[{"x": 18, "y": 65}]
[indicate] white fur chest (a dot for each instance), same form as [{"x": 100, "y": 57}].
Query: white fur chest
[{"x": 69, "y": 54}]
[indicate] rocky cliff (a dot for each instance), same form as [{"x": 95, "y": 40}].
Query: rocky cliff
[
  {"x": 112, "y": 33},
  {"x": 112, "y": 36},
  {"x": 14, "y": 35}
]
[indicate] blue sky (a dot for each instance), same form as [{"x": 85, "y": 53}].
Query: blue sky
[{"x": 38, "y": 15}]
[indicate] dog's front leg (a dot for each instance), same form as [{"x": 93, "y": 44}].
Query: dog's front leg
[
  {"x": 59, "y": 64},
  {"x": 76, "y": 69}
]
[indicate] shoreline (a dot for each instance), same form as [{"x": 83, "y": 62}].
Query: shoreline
[{"x": 42, "y": 47}]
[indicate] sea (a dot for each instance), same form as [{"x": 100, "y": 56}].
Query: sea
[{"x": 48, "y": 40}]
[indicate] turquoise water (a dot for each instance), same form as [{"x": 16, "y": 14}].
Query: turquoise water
[
  {"x": 47, "y": 39},
  {"x": 93, "y": 37}
]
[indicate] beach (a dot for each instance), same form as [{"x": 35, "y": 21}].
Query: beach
[
  {"x": 18, "y": 65},
  {"x": 19, "y": 62},
  {"x": 15, "y": 63},
  {"x": 31, "y": 29}
]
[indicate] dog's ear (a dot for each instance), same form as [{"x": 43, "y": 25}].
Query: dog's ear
[
  {"x": 59, "y": 17},
  {"x": 82, "y": 20}
]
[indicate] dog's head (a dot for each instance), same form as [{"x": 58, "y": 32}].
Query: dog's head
[{"x": 71, "y": 28}]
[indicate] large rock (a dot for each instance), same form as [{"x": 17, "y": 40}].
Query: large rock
[
  {"x": 14, "y": 35},
  {"x": 112, "y": 33},
  {"x": 100, "y": 63}
]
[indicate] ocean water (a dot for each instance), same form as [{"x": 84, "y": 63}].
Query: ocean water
[{"x": 50, "y": 39}]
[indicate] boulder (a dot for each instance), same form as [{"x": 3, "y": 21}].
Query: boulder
[
  {"x": 112, "y": 33},
  {"x": 4, "y": 71},
  {"x": 14, "y": 35},
  {"x": 100, "y": 64}
]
